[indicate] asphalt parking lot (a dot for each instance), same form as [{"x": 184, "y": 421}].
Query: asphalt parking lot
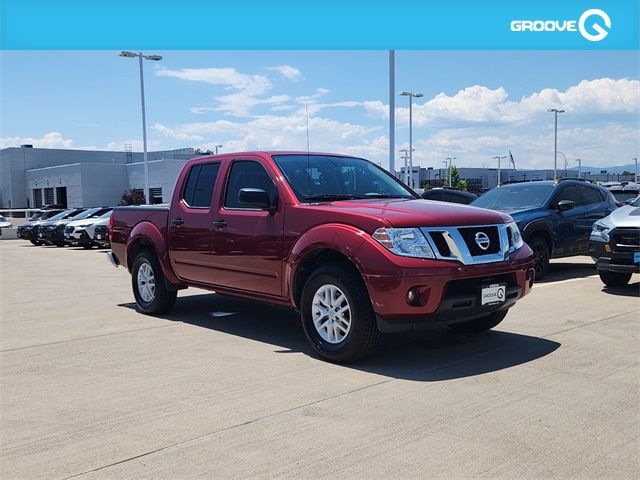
[{"x": 222, "y": 388}]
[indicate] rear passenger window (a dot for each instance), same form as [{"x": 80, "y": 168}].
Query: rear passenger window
[
  {"x": 247, "y": 174},
  {"x": 199, "y": 187},
  {"x": 591, "y": 195}
]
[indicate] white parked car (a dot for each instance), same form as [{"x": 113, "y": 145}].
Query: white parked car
[
  {"x": 4, "y": 223},
  {"x": 98, "y": 231},
  {"x": 75, "y": 231}
]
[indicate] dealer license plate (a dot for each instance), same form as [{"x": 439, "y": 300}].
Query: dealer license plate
[
  {"x": 636, "y": 257},
  {"x": 493, "y": 294}
]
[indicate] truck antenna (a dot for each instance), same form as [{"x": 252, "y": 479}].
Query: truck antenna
[{"x": 306, "y": 113}]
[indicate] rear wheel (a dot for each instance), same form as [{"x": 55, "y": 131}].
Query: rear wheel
[
  {"x": 35, "y": 242},
  {"x": 541, "y": 256},
  {"x": 149, "y": 288},
  {"x": 614, "y": 279},
  {"x": 482, "y": 324},
  {"x": 337, "y": 316}
]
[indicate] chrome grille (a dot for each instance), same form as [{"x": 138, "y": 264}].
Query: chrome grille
[{"x": 459, "y": 243}]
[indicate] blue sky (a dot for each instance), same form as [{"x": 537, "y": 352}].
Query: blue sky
[{"x": 475, "y": 105}]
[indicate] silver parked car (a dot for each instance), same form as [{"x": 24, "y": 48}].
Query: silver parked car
[{"x": 615, "y": 245}]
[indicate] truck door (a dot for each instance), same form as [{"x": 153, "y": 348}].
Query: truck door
[
  {"x": 189, "y": 229},
  {"x": 246, "y": 244}
]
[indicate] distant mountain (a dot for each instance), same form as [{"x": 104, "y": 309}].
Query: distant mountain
[{"x": 617, "y": 169}]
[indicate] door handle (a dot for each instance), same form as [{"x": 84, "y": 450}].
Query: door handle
[
  {"x": 220, "y": 224},
  {"x": 177, "y": 221}
]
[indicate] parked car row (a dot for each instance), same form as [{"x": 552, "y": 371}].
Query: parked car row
[
  {"x": 568, "y": 218},
  {"x": 83, "y": 227}
]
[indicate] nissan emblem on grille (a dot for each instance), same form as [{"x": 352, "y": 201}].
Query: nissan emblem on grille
[{"x": 482, "y": 240}]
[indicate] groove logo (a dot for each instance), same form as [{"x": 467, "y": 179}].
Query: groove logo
[{"x": 591, "y": 25}]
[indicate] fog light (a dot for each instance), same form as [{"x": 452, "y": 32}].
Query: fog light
[
  {"x": 413, "y": 296},
  {"x": 607, "y": 248}
]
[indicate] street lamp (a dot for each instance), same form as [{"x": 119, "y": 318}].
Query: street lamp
[
  {"x": 216, "y": 146},
  {"x": 405, "y": 151},
  {"x": 411, "y": 96},
  {"x": 154, "y": 58},
  {"x": 446, "y": 166},
  {"x": 579, "y": 167},
  {"x": 555, "y": 142},
  {"x": 565, "y": 163},
  {"x": 449, "y": 170},
  {"x": 499, "y": 158},
  {"x": 635, "y": 176}
]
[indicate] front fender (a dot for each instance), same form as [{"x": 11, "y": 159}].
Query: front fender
[
  {"x": 344, "y": 239},
  {"x": 536, "y": 225},
  {"x": 147, "y": 233}
]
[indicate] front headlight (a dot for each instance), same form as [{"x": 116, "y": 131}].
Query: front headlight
[
  {"x": 600, "y": 227},
  {"x": 515, "y": 238},
  {"x": 407, "y": 242}
]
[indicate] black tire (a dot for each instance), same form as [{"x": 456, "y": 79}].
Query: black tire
[
  {"x": 614, "y": 279},
  {"x": 162, "y": 300},
  {"x": 35, "y": 242},
  {"x": 363, "y": 334},
  {"x": 87, "y": 246},
  {"x": 482, "y": 324},
  {"x": 541, "y": 256},
  {"x": 59, "y": 244}
]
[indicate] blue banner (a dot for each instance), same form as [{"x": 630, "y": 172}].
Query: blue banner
[{"x": 326, "y": 24}]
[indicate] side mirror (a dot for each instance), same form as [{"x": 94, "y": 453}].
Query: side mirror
[
  {"x": 564, "y": 205},
  {"x": 255, "y": 197}
]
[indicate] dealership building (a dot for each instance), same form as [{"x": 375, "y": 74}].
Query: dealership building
[{"x": 32, "y": 177}]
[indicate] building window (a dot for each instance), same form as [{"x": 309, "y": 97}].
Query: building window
[
  {"x": 37, "y": 198},
  {"x": 61, "y": 196},
  {"x": 48, "y": 196},
  {"x": 155, "y": 195}
]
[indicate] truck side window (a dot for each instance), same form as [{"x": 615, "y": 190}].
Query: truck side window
[
  {"x": 198, "y": 189},
  {"x": 247, "y": 174}
]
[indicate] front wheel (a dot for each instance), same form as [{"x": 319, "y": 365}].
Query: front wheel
[
  {"x": 614, "y": 279},
  {"x": 541, "y": 256},
  {"x": 482, "y": 324},
  {"x": 337, "y": 316},
  {"x": 35, "y": 242},
  {"x": 149, "y": 288}
]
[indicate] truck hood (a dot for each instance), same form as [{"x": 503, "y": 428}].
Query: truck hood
[
  {"x": 415, "y": 213},
  {"x": 623, "y": 217}
]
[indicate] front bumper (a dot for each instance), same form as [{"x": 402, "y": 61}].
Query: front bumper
[
  {"x": 78, "y": 237},
  {"x": 448, "y": 291},
  {"x": 609, "y": 260}
]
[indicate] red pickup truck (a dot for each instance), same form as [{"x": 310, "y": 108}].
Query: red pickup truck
[{"x": 336, "y": 237}]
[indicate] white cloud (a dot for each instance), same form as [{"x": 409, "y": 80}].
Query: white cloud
[
  {"x": 176, "y": 135},
  {"x": 287, "y": 71},
  {"x": 482, "y": 105},
  {"x": 48, "y": 140}
]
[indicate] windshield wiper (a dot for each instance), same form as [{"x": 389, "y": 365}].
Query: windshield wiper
[
  {"x": 382, "y": 195},
  {"x": 329, "y": 197}
]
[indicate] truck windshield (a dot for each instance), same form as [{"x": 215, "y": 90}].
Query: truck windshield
[
  {"x": 512, "y": 197},
  {"x": 325, "y": 177}
]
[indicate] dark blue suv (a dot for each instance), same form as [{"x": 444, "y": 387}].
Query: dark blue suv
[{"x": 555, "y": 218}]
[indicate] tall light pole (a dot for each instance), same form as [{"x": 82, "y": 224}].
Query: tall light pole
[
  {"x": 499, "y": 158},
  {"x": 411, "y": 96},
  {"x": 216, "y": 146},
  {"x": 392, "y": 112},
  {"x": 446, "y": 169},
  {"x": 449, "y": 170},
  {"x": 555, "y": 142},
  {"x": 579, "y": 167},
  {"x": 635, "y": 176},
  {"x": 154, "y": 58}
]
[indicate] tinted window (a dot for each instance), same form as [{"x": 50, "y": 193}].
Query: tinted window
[
  {"x": 247, "y": 174},
  {"x": 623, "y": 196},
  {"x": 206, "y": 182},
  {"x": 190, "y": 185},
  {"x": 590, "y": 195},
  {"x": 569, "y": 193},
  {"x": 453, "y": 198},
  {"x": 198, "y": 189},
  {"x": 432, "y": 195}
]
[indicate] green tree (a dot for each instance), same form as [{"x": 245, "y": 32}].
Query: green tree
[
  {"x": 453, "y": 177},
  {"x": 135, "y": 196}
]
